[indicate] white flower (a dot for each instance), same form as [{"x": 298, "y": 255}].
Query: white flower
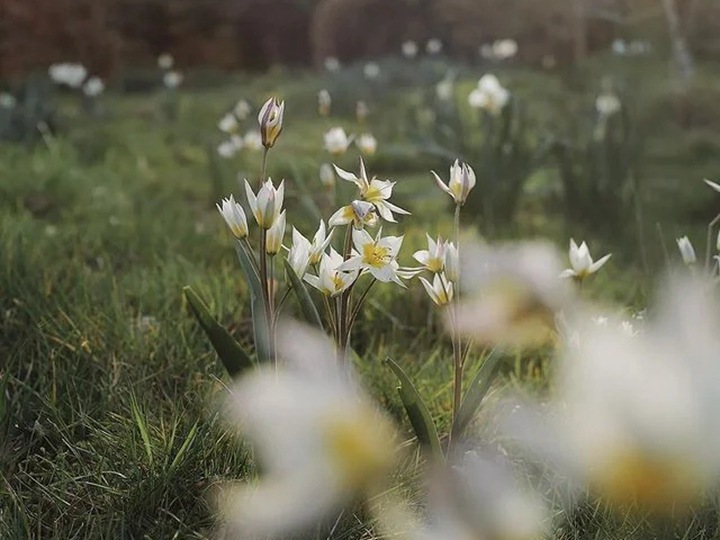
[
  {"x": 324, "y": 102},
  {"x": 440, "y": 291},
  {"x": 327, "y": 175},
  {"x": 332, "y": 64},
  {"x": 165, "y": 61},
  {"x": 7, "y": 101},
  {"x": 452, "y": 262},
  {"x": 320, "y": 242},
  {"x": 619, "y": 47},
  {"x": 433, "y": 46},
  {"x": 275, "y": 235},
  {"x": 252, "y": 140},
  {"x": 234, "y": 216},
  {"x": 359, "y": 213},
  {"x": 374, "y": 191},
  {"x": 172, "y": 79},
  {"x": 432, "y": 258},
  {"x": 607, "y": 104},
  {"x": 504, "y": 49},
  {"x": 299, "y": 254},
  {"x": 367, "y": 144},
  {"x": 69, "y": 74},
  {"x": 371, "y": 70},
  {"x": 489, "y": 95},
  {"x": 228, "y": 124},
  {"x": 687, "y": 251},
  {"x": 330, "y": 280},
  {"x": 227, "y": 149},
  {"x": 444, "y": 89},
  {"x": 462, "y": 180},
  {"x": 322, "y": 442},
  {"x": 270, "y": 119},
  {"x": 362, "y": 111},
  {"x": 267, "y": 205},
  {"x": 375, "y": 255},
  {"x": 93, "y": 87},
  {"x": 337, "y": 141},
  {"x": 409, "y": 49},
  {"x": 581, "y": 262},
  {"x": 486, "y": 51},
  {"x": 242, "y": 109}
]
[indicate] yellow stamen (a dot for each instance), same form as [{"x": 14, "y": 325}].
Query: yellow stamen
[{"x": 375, "y": 256}]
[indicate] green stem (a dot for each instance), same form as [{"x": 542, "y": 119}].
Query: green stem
[
  {"x": 358, "y": 305},
  {"x": 263, "y": 166},
  {"x": 266, "y": 288},
  {"x": 457, "y": 345}
]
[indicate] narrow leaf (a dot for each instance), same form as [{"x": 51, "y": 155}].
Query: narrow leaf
[
  {"x": 261, "y": 333},
  {"x": 307, "y": 306},
  {"x": 417, "y": 411},
  {"x": 475, "y": 393},
  {"x": 232, "y": 355},
  {"x": 142, "y": 427}
]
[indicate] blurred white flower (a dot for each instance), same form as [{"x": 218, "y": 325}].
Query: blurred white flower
[
  {"x": 327, "y": 175},
  {"x": 581, "y": 262},
  {"x": 607, "y": 104},
  {"x": 486, "y": 51},
  {"x": 172, "y": 79},
  {"x": 7, "y": 101},
  {"x": 489, "y": 95},
  {"x": 433, "y": 46},
  {"x": 374, "y": 191},
  {"x": 69, "y": 74},
  {"x": 267, "y": 205},
  {"x": 93, "y": 87},
  {"x": 332, "y": 64},
  {"x": 228, "y": 124},
  {"x": 337, "y": 141},
  {"x": 324, "y": 102},
  {"x": 51, "y": 231},
  {"x": 504, "y": 49},
  {"x": 275, "y": 235},
  {"x": 440, "y": 290},
  {"x": 619, "y": 47},
  {"x": 242, "y": 109},
  {"x": 367, "y": 144},
  {"x": 371, "y": 70},
  {"x": 362, "y": 111},
  {"x": 462, "y": 180},
  {"x": 409, "y": 49},
  {"x": 252, "y": 140},
  {"x": 432, "y": 258},
  {"x": 687, "y": 251},
  {"x": 330, "y": 281},
  {"x": 227, "y": 149},
  {"x": 375, "y": 255},
  {"x": 234, "y": 216},
  {"x": 165, "y": 61},
  {"x": 322, "y": 442},
  {"x": 444, "y": 89}
]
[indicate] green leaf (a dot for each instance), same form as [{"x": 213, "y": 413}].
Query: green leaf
[
  {"x": 142, "y": 427},
  {"x": 261, "y": 332},
  {"x": 232, "y": 355},
  {"x": 417, "y": 411},
  {"x": 306, "y": 304},
  {"x": 475, "y": 394}
]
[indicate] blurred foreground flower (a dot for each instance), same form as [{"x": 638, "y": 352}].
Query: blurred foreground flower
[
  {"x": 489, "y": 95},
  {"x": 581, "y": 262},
  {"x": 321, "y": 441},
  {"x": 607, "y": 104}
]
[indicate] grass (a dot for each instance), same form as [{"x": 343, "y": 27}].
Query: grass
[{"x": 111, "y": 415}]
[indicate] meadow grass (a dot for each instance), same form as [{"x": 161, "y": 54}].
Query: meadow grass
[{"x": 111, "y": 409}]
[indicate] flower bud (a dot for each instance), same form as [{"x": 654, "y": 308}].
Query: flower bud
[{"x": 271, "y": 121}]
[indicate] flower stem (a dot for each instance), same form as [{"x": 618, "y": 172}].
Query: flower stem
[
  {"x": 266, "y": 290},
  {"x": 263, "y": 166},
  {"x": 458, "y": 360}
]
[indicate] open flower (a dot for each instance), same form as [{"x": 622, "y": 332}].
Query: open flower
[
  {"x": 267, "y": 205},
  {"x": 374, "y": 191},
  {"x": 432, "y": 258},
  {"x": 462, "y": 180},
  {"x": 330, "y": 280},
  {"x": 315, "y": 431},
  {"x": 320, "y": 242},
  {"x": 234, "y": 216},
  {"x": 581, "y": 262},
  {"x": 440, "y": 290},
  {"x": 367, "y": 144},
  {"x": 270, "y": 119},
  {"x": 337, "y": 141},
  {"x": 299, "y": 253},
  {"x": 375, "y": 255},
  {"x": 275, "y": 235},
  {"x": 687, "y": 251},
  {"x": 359, "y": 213},
  {"x": 489, "y": 95}
]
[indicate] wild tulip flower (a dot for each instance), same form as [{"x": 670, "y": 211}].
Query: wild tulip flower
[
  {"x": 270, "y": 119},
  {"x": 252, "y": 140},
  {"x": 172, "y": 79},
  {"x": 489, "y": 95},
  {"x": 371, "y": 70},
  {"x": 359, "y": 213},
  {"x": 299, "y": 253},
  {"x": 374, "y": 191},
  {"x": 228, "y": 124},
  {"x": 337, "y": 141},
  {"x": 444, "y": 89},
  {"x": 440, "y": 290},
  {"x": 687, "y": 251},
  {"x": 234, "y": 216},
  {"x": 375, "y": 255},
  {"x": 93, "y": 87},
  {"x": 331, "y": 281},
  {"x": 324, "y": 102},
  {"x": 267, "y": 205},
  {"x": 462, "y": 180},
  {"x": 327, "y": 175},
  {"x": 433, "y": 46},
  {"x": 275, "y": 235},
  {"x": 367, "y": 144},
  {"x": 332, "y": 64},
  {"x": 315, "y": 431},
  {"x": 581, "y": 262},
  {"x": 227, "y": 149},
  {"x": 504, "y": 49},
  {"x": 432, "y": 258}
]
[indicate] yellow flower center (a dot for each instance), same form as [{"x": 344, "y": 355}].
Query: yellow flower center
[
  {"x": 373, "y": 194},
  {"x": 435, "y": 264},
  {"x": 375, "y": 256},
  {"x": 337, "y": 282}
]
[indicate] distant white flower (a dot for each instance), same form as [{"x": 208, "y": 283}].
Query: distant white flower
[
  {"x": 324, "y": 102},
  {"x": 409, "y": 49},
  {"x": 267, "y": 205},
  {"x": 619, "y": 47},
  {"x": 371, "y": 70},
  {"x": 440, "y": 290},
  {"x": 433, "y": 46},
  {"x": 367, "y": 144},
  {"x": 607, "y": 104},
  {"x": 165, "y": 61},
  {"x": 581, "y": 262},
  {"x": 362, "y": 111},
  {"x": 234, "y": 216},
  {"x": 227, "y": 149},
  {"x": 332, "y": 64},
  {"x": 69, "y": 74},
  {"x": 337, "y": 141},
  {"x": 504, "y": 49},
  {"x": 375, "y": 255},
  {"x": 444, "y": 89},
  {"x": 242, "y": 109},
  {"x": 252, "y": 140},
  {"x": 228, "y": 124},
  {"x": 7, "y": 101},
  {"x": 93, "y": 87},
  {"x": 172, "y": 79},
  {"x": 687, "y": 251},
  {"x": 315, "y": 432},
  {"x": 462, "y": 180},
  {"x": 489, "y": 95},
  {"x": 327, "y": 175},
  {"x": 275, "y": 235},
  {"x": 330, "y": 281}
]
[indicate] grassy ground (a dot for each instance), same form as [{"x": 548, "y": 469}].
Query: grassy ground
[{"x": 111, "y": 419}]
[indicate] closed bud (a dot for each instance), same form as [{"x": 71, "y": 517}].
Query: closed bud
[{"x": 271, "y": 121}]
